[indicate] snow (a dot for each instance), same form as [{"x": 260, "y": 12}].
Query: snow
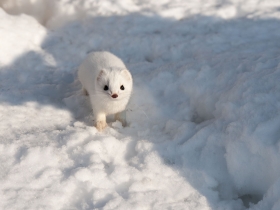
[{"x": 203, "y": 119}]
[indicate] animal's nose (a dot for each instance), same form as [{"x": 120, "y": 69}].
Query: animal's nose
[{"x": 114, "y": 95}]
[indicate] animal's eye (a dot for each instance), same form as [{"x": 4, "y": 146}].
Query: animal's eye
[
  {"x": 122, "y": 87},
  {"x": 106, "y": 87}
]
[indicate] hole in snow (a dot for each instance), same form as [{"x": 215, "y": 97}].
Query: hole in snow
[
  {"x": 149, "y": 58},
  {"x": 21, "y": 153},
  {"x": 203, "y": 108},
  {"x": 250, "y": 199},
  {"x": 198, "y": 118}
]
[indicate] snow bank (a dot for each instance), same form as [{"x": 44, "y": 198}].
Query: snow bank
[
  {"x": 204, "y": 116},
  {"x": 14, "y": 29},
  {"x": 55, "y": 13}
]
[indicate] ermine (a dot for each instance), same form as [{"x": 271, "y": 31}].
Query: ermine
[{"x": 108, "y": 83}]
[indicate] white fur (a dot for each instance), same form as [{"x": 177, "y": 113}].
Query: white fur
[{"x": 96, "y": 71}]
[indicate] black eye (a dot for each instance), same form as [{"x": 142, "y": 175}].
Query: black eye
[
  {"x": 106, "y": 87},
  {"x": 122, "y": 87}
]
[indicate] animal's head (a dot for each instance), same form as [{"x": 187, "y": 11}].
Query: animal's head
[{"x": 117, "y": 84}]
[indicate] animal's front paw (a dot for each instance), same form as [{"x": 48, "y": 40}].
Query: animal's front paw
[
  {"x": 100, "y": 125},
  {"x": 121, "y": 116}
]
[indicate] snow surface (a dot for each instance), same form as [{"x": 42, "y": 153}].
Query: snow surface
[{"x": 203, "y": 119}]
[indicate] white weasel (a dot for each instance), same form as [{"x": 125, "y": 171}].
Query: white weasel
[{"x": 108, "y": 83}]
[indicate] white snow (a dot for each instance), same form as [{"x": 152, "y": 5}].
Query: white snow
[{"x": 204, "y": 123}]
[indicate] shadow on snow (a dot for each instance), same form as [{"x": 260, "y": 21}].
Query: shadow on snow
[{"x": 138, "y": 40}]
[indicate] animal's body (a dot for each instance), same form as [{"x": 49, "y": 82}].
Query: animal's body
[{"x": 108, "y": 83}]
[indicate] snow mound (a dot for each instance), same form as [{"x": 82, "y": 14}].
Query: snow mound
[{"x": 14, "y": 29}]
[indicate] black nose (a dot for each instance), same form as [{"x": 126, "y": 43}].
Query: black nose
[{"x": 114, "y": 95}]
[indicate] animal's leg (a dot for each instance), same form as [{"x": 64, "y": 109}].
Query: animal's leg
[
  {"x": 100, "y": 121},
  {"x": 121, "y": 116}
]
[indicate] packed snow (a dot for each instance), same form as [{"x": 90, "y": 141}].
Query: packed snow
[{"x": 204, "y": 117}]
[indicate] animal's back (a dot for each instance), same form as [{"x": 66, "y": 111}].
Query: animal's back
[
  {"x": 104, "y": 60},
  {"x": 96, "y": 61}
]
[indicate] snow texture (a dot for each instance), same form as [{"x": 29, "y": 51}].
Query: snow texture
[{"x": 204, "y": 118}]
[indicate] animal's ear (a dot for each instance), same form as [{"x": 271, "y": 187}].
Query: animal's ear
[
  {"x": 126, "y": 74},
  {"x": 101, "y": 74}
]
